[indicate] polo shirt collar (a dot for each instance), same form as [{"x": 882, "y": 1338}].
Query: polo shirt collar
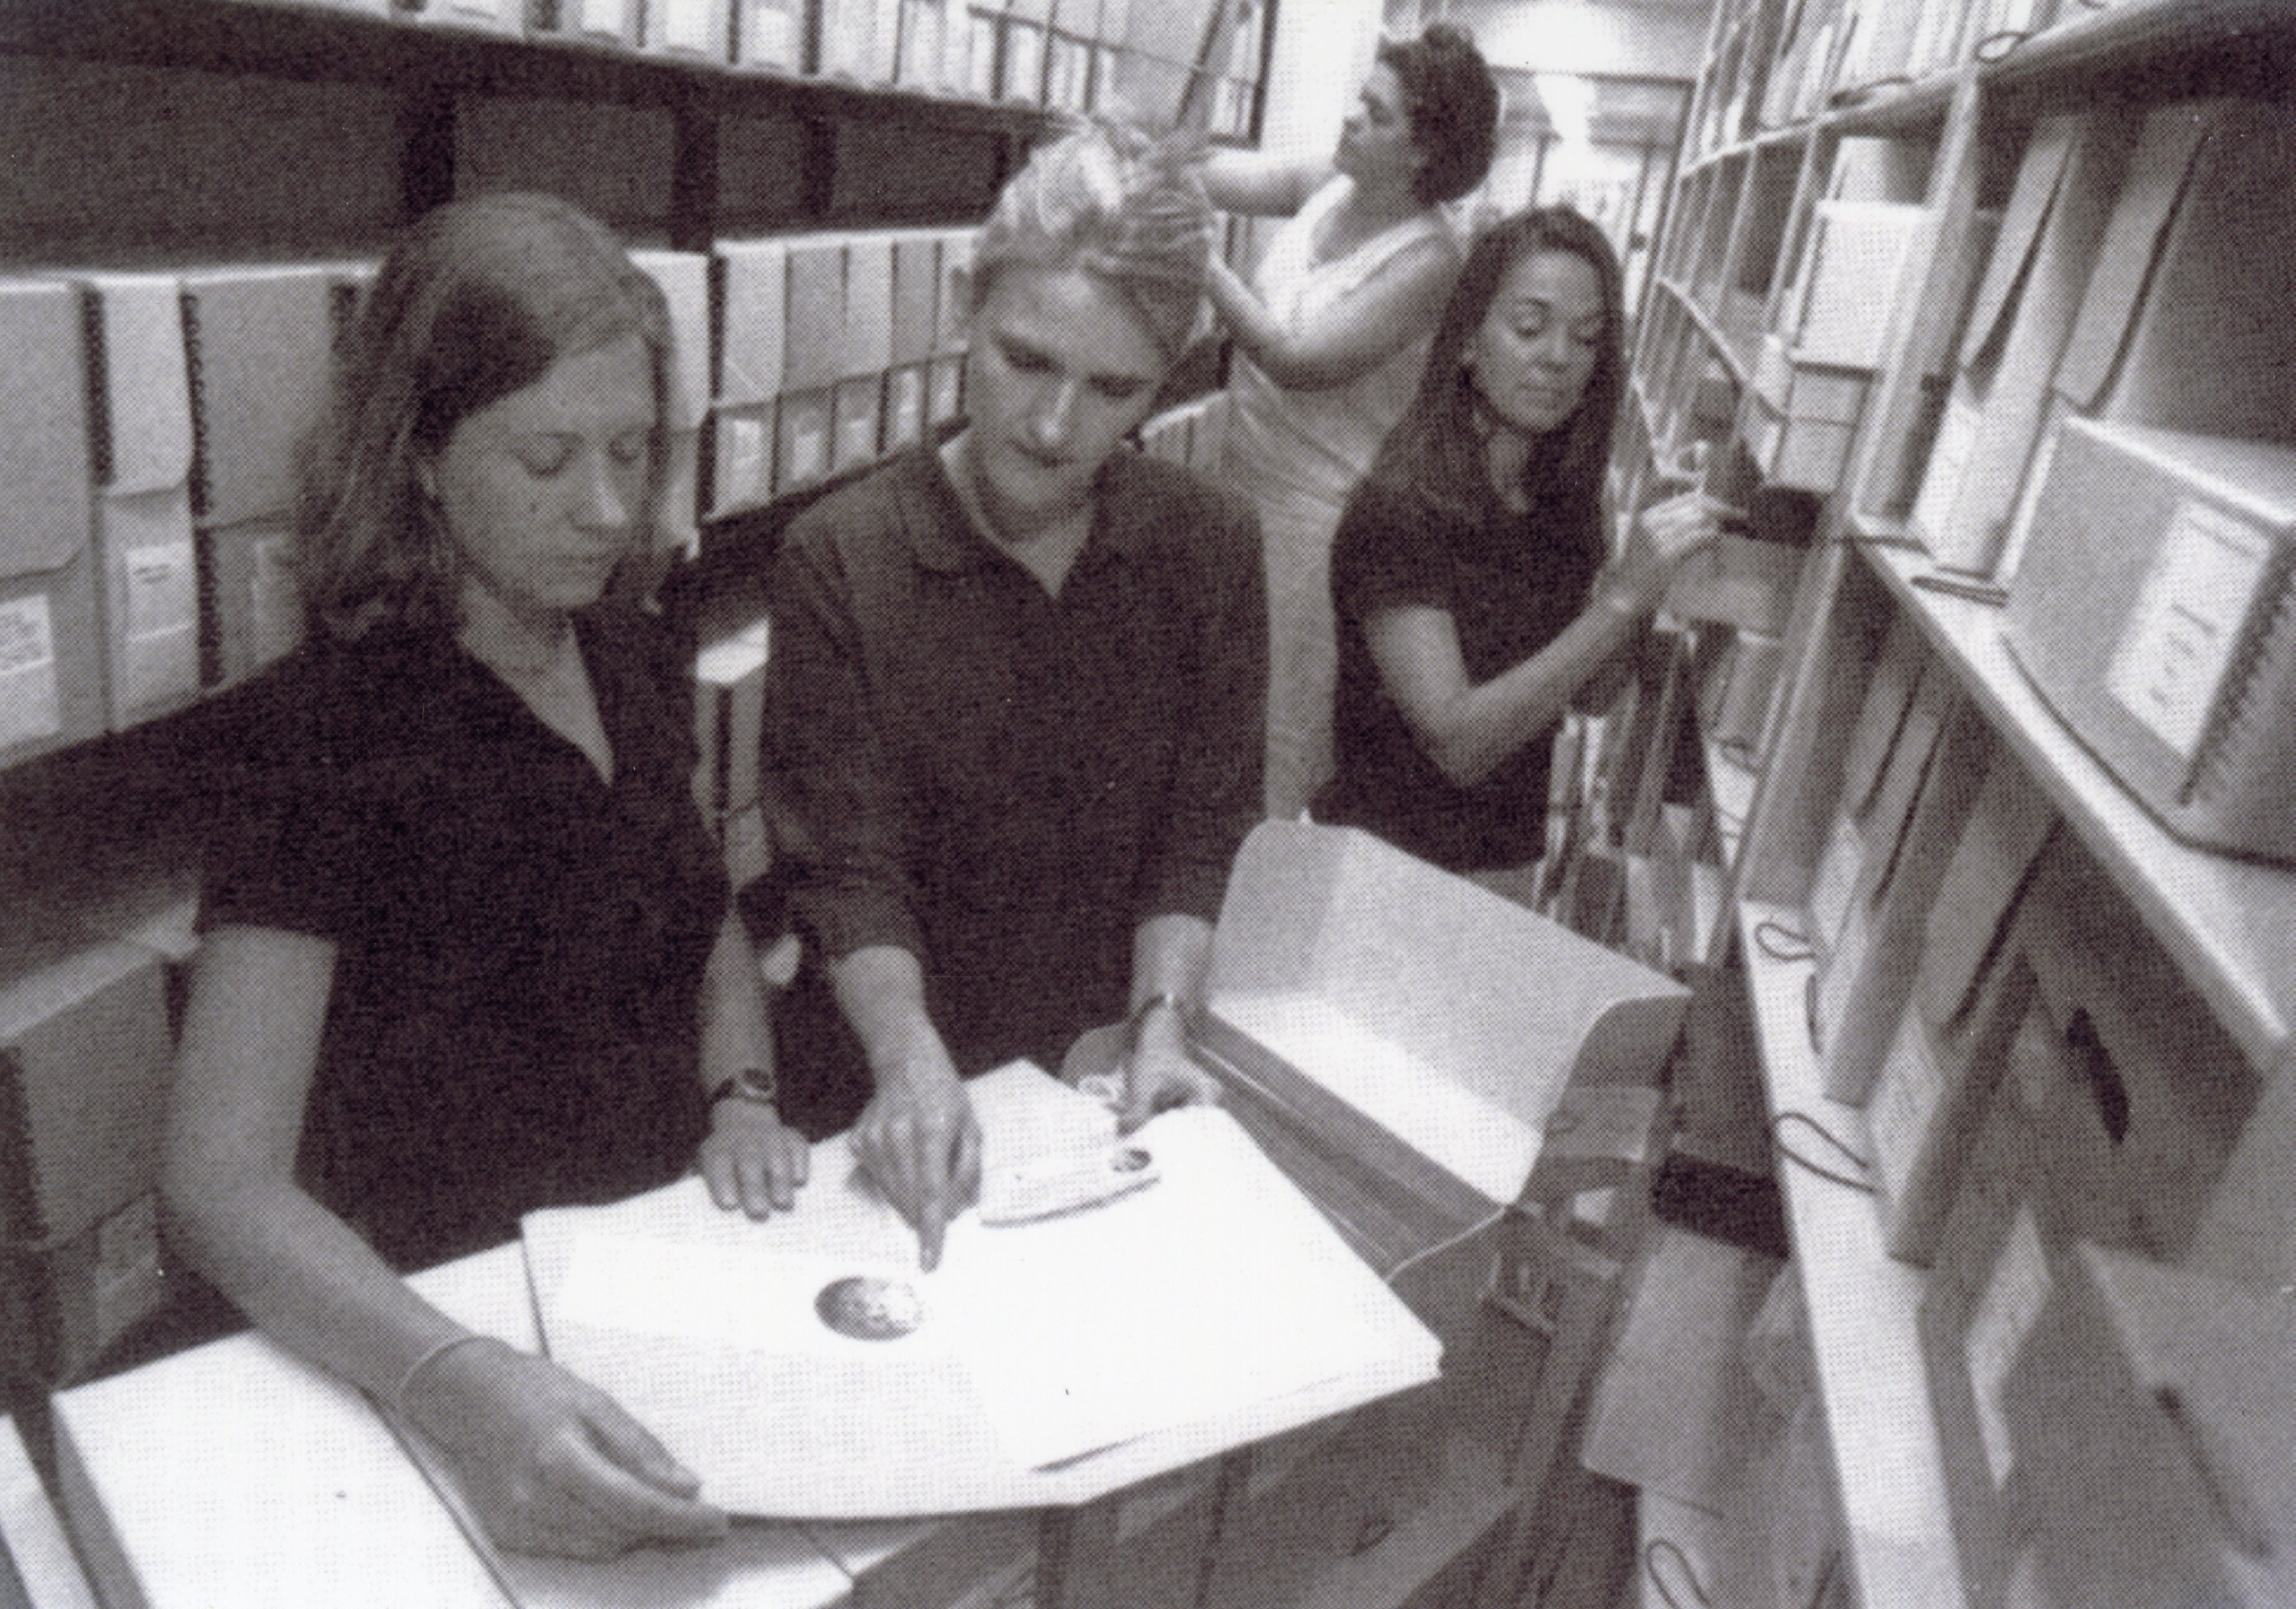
[{"x": 942, "y": 536}]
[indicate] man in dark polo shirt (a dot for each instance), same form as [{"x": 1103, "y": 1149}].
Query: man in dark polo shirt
[{"x": 1016, "y": 697}]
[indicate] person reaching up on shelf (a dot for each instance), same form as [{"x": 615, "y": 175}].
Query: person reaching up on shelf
[
  {"x": 1013, "y": 709},
  {"x": 1472, "y": 577},
  {"x": 467, "y": 946},
  {"x": 1329, "y": 338}
]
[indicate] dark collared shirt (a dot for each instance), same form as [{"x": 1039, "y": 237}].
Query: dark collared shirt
[
  {"x": 1002, "y": 782},
  {"x": 519, "y": 944}
]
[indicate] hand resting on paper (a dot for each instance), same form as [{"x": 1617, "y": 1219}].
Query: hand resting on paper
[
  {"x": 1158, "y": 1073},
  {"x": 549, "y": 1462},
  {"x": 920, "y": 1141},
  {"x": 752, "y": 1160}
]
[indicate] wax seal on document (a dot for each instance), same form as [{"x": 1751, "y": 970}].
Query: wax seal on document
[
  {"x": 1049, "y": 1186},
  {"x": 868, "y": 1308}
]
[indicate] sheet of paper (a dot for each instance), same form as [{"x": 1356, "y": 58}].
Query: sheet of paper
[{"x": 1214, "y": 1307}]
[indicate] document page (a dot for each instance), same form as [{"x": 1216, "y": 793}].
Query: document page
[{"x": 806, "y": 1367}]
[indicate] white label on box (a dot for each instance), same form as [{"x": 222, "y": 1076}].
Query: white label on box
[
  {"x": 30, "y": 707},
  {"x": 603, "y": 16},
  {"x": 162, "y": 650},
  {"x": 808, "y": 451},
  {"x": 685, "y": 24},
  {"x": 2015, "y": 1292},
  {"x": 1835, "y": 882},
  {"x": 1957, "y": 441},
  {"x": 274, "y": 603},
  {"x": 768, "y": 37},
  {"x": 742, "y": 474},
  {"x": 2180, "y": 637}
]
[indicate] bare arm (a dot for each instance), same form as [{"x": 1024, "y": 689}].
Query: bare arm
[
  {"x": 1262, "y": 183},
  {"x": 552, "y": 1464},
  {"x": 750, "y": 1159},
  {"x": 918, "y": 1138},
  {"x": 1398, "y": 304},
  {"x": 1469, "y": 729}
]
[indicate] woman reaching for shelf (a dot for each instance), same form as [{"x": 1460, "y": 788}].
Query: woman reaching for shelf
[
  {"x": 1330, "y": 338},
  {"x": 1472, "y": 574},
  {"x": 466, "y": 944}
]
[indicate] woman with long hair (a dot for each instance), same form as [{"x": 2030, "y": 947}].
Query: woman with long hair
[{"x": 1472, "y": 576}]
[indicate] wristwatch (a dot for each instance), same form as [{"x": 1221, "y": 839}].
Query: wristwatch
[{"x": 754, "y": 1084}]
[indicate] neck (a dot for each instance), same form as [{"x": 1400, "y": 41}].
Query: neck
[
  {"x": 513, "y": 640},
  {"x": 1384, "y": 200},
  {"x": 1045, "y": 549},
  {"x": 1506, "y": 451}
]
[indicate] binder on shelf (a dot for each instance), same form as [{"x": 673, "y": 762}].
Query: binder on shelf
[
  {"x": 1801, "y": 417},
  {"x": 2182, "y": 323},
  {"x": 984, "y": 26},
  {"x": 1850, "y": 286},
  {"x": 2017, "y": 330},
  {"x": 51, "y": 638},
  {"x": 1900, "y": 665},
  {"x": 615, "y": 161},
  {"x": 849, "y": 40},
  {"x": 149, "y": 596},
  {"x": 930, "y": 28},
  {"x": 864, "y": 331},
  {"x": 858, "y": 406}
]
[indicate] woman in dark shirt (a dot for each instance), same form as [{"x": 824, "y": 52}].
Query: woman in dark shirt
[
  {"x": 1472, "y": 576},
  {"x": 466, "y": 949}
]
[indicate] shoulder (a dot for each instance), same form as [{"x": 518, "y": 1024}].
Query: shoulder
[
  {"x": 1172, "y": 505},
  {"x": 864, "y": 523}
]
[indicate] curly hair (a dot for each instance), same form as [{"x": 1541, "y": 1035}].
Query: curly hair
[
  {"x": 478, "y": 299},
  {"x": 1436, "y": 454},
  {"x": 1453, "y": 104},
  {"x": 1129, "y": 209}
]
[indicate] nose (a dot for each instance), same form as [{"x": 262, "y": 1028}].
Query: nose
[
  {"x": 604, "y": 500},
  {"x": 1552, "y": 348},
  {"x": 1054, "y": 415}
]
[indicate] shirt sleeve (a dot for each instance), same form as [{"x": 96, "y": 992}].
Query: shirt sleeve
[
  {"x": 849, "y": 822},
  {"x": 297, "y": 823},
  {"x": 1216, "y": 794},
  {"x": 1382, "y": 556}
]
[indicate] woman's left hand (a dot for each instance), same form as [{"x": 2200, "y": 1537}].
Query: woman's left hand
[
  {"x": 752, "y": 1159},
  {"x": 1665, "y": 537}
]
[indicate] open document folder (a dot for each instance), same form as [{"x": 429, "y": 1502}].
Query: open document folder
[{"x": 1043, "y": 1362}]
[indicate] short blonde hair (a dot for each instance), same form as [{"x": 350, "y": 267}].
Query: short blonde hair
[{"x": 1129, "y": 209}]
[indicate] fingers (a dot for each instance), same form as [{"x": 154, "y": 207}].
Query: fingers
[
  {"x": 1159, "y": 1084},
  {"x": 615, "y": 1484},
  {"x": 924, "y": 1152},
  {"x": 754, "y": 1161}
]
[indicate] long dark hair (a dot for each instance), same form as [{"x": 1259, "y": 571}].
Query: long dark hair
[
  {"x": 1436, "y": 453},
  {"x": 478, "y": 299}
]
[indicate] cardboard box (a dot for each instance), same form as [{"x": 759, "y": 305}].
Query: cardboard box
[
  {"x": 84, "y": 1054},
  {"x": 1380, "y": 1001},
  {"x": 741, "y": 472},
  {"x": 51, "y": 638},
  {"x": 2181, "y": 322},
  {"x": 944, "y": 390},
  {"x": 489, "y": 16},
  {"x": 260, "y": 340},
  {"x": 1850, "y": 282},
  {"x": 2119, "y": 1103},
  {"x": 684, "y": 277},
  {"x": 905, "y": 406},
  {"x": 148, "y": 598},
  {"x": 600, "y": 21},
  {"x": 1803, "y": 417},
  {"x": 1862, "y": 816},
  {"x": 2149, "y": 610},
  {"x": 2153, "y": 1457},
  {"x": 1864, "y": 981},
  {"x": 859, "y": 408},
  {"x": 697, "y": 30},
  {"x": 771, "y": 34},
  {"x": 251, "y": 606},
  {"x": 805, "y": 437},
  {"x": 2018, "y": 326}
]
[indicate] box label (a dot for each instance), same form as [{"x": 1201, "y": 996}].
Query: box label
[
  {"x": 30, "y": 708},
  {"x": 2180, "y": 637},
  {"x": 161, "y": 646},
  {"x": 2014, "y": 1295}
]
